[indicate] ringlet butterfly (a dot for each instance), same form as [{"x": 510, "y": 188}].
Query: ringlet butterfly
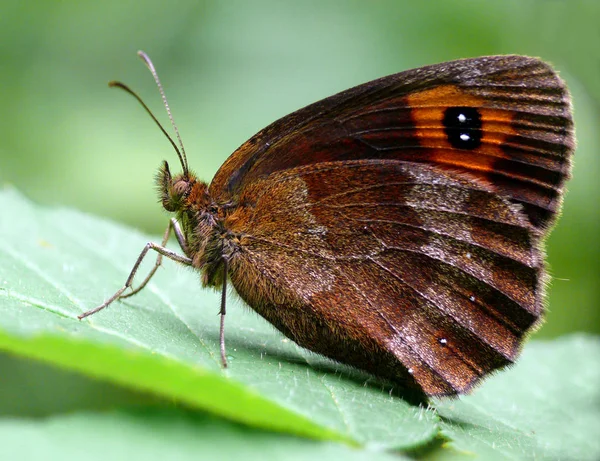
[{"x": 396, "y": 227}]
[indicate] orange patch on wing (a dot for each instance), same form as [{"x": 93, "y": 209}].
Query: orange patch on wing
[{"x": 427, "y": 112}]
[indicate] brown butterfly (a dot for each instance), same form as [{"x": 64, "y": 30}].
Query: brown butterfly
[{"x": 396, "y": 227}]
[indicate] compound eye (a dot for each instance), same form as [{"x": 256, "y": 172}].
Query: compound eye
[{"x": 180, "y": 188}]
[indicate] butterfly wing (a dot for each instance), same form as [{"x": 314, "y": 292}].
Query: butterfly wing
[
  {"x": 405, "y": 271},
  {"x": 520, "y": 143},
  {"x": 378, "y": 229}
]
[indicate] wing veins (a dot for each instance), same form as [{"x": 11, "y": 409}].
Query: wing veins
[
  {"x": 448, "y": 314},
  {"x": 418, "y": 207},
  {"x": 543, "y": 153},
  {"x": 447, "y": 263},
  {"x": 433, "y": 231},
  {"x": 398, "y": 333},
  {"x": 441, "y": 107}
]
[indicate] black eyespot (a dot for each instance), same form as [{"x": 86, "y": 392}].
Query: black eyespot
[{"x": 463, "y": 127}]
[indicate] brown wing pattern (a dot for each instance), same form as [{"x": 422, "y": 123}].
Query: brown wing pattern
[
  {"x": 525, "y": 126},
  {"x": 445, "y": 271}
]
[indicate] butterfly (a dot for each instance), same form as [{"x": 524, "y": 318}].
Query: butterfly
[{"x": 396, "y": 227}]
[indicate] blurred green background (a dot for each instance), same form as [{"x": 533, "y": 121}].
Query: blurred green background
[{"x": 230, "y": 68}]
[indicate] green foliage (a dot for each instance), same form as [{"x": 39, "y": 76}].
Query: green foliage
[{"x": 57, "y": 263}]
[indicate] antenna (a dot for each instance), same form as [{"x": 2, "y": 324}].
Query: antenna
[
  {"x": 113, "y": 84},
  {"x": 182, "y": 156}
]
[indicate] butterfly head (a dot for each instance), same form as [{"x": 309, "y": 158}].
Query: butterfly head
[{"x": 178, "y": 193}]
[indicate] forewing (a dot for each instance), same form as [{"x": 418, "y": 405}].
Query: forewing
[
  {"x": 521, "y": 147},
  {"x": 414, "y": 273}
]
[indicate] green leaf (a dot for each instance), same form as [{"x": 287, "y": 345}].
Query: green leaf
[
  {"x": 56, "y": 263},
  {"x": 159, "y": 435}
]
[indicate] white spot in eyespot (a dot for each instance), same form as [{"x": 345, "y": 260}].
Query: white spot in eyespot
[
  {"x": 443, "y": 341},
  {"x": 462, "y": 118},
  {"x": 472, "y": 298},
  {"x": 464, "y": 137},
  {"x": 468, "y": 255},
  {"x": 410, "y": 371}
]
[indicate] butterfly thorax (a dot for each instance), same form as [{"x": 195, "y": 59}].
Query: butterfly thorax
[{"x": 200, "y": 220}]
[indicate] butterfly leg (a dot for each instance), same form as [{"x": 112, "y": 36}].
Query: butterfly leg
[
  {"x": 173, "y": 225},
  {"x": 162, "y": 251},
  {"x": 222, "y": 312}
]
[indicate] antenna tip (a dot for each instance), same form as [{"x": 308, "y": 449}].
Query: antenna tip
[
  {"x": 116, "y": 84},
  {"x": 146, "y": 60}
]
